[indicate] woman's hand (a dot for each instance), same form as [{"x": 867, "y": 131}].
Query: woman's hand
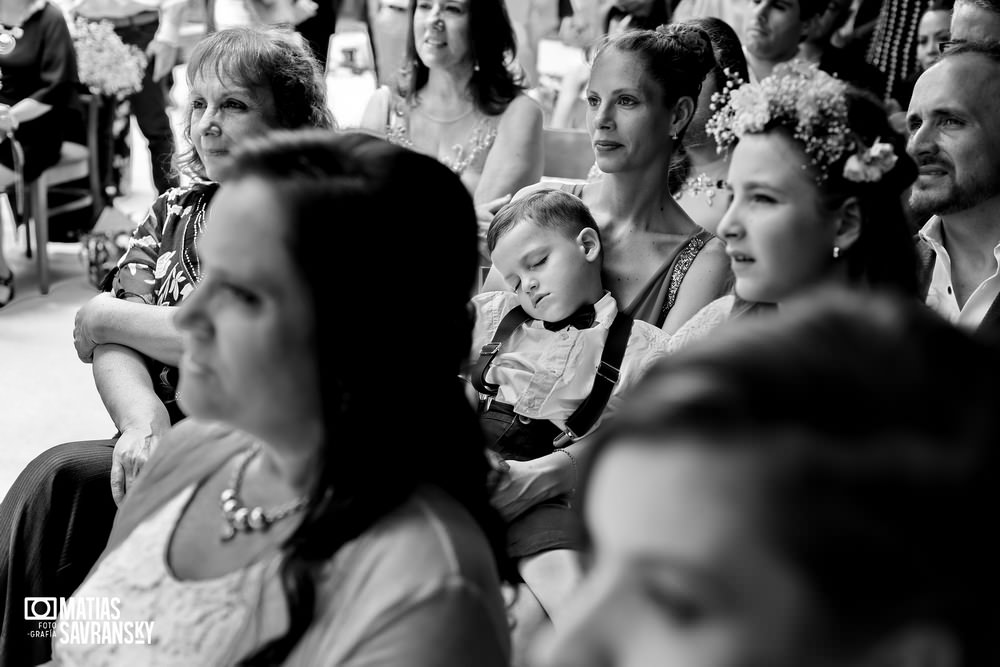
[
  {"x": 132, "y": 450},
  {"x": 484, "y": 215},
  {"x": 84, "y": 325},
  {"x": 528, "y": 483},
  {"x": 8, "y": 121}
]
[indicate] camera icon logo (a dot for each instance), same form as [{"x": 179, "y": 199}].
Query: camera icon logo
[{"x": 41, "y": 609}]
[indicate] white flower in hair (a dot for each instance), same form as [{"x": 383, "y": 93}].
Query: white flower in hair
[{"x": 869, "y": 166}]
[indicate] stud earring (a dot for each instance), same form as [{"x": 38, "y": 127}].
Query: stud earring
[{"x": 836, "y": 252}]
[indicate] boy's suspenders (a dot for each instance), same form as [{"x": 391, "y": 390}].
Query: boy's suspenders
[{"x": 608, "y": 372}]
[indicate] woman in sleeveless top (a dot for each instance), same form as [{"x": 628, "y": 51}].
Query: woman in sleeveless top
[
  {"x": 457, "y": 99},
  {"x": 816, "y": 196},
  {"x": 641, "y": 96}
]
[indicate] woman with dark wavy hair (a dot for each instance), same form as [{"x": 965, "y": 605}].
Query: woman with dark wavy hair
[
  {"x": 57, "y": 515},
  {"x": 459, "y": 100},
  {"x": 281, "y": 523}
]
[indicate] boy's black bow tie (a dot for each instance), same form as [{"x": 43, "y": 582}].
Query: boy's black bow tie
[{"x": 583, "y": 318}]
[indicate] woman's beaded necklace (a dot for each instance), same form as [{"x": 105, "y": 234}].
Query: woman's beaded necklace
[{"x": 237, "y": 517}]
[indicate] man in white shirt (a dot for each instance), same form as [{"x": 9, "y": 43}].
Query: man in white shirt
[
  {"x": 975, "y": 20},
  {"x": 954, "y": 127},
  {"x": 154, "y": 27}
]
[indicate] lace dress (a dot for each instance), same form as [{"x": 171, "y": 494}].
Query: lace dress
[
  {"x": 205, "y": 622},
  {"x": 459, "y": 157}
]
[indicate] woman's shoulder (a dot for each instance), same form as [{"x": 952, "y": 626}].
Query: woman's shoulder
[
  {"x": 192, "y": 446},
  {"x": 418, "y": 588},
  {"x": 428, "y": 537},
  {"x": 703, "y": 323},
  {"x": 522, "y": 112}
]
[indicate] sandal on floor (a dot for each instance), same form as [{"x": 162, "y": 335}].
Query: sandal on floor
[{"x": 7, "y": 289}]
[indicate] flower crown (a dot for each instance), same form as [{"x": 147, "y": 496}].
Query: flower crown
[{"x": 813, "y": 106}]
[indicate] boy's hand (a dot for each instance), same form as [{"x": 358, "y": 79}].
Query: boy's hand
[{"x": 526, "y": 484}]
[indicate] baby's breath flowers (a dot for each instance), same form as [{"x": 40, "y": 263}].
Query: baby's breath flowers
[
  {"x": 810, "y": 104},
  {"x": 106, "y": 64}
]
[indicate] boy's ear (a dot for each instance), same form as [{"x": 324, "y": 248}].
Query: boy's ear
[{"x": 590, "y": 243}]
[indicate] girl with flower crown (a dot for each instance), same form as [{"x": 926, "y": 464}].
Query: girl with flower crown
[{"x": 817, "y": 176}]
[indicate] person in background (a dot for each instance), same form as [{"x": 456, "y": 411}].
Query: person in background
[
  {"x": 773, "y": 30},
  {"x": 772, "y": 497},
  {"x": 37, "y": 86},
  {"x": 457, "y": 100},
  {"x": 954, "y": 126},
  {"x": 893, "y": 45},
  {"x": 55, "y": 518},
  {"x": 845, "y": 64},
  {"x": 698, "y": 176},
  {"x": 153, "y": 26},
  {"x": 818, "y": 180},
  {"x": 933, "y": 34},
  {"x": 641, "y": 96}
]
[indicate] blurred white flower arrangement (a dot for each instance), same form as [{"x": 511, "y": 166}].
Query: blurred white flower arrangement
[{"x": 106, "y": 64}]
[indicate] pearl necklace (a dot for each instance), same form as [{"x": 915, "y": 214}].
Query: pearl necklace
[{"x": 238, "y": 517}]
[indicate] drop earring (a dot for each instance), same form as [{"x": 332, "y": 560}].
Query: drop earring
[{"x": 836, "y": 252}]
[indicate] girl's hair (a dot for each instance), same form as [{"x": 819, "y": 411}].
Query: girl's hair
[
  {"x": 347, "y": 194},
  {"x": 874, "y": 426},
  {"x": 884, "y": 255},
  {"x": 263, "y": 59},
  {"x": 493, "y": 50},
  {"x": 677, "y": 57},
  {"x": 551, "y": 209}
]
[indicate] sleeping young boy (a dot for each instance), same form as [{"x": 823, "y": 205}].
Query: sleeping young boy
[{"x": 550, "y": 359}]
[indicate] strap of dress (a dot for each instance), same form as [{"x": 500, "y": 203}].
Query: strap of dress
[{"x": 682, "y": 263}]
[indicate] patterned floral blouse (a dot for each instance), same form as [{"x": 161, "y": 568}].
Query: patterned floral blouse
[{"x": 161, "y": 266}]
